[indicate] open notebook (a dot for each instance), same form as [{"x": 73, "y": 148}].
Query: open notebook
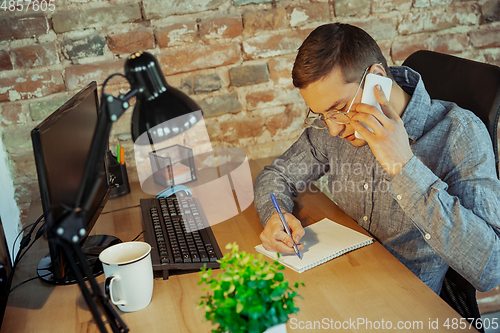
[{"x": 323, "y": 241}]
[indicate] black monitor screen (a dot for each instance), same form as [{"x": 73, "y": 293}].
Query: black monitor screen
[{"x": 61, "y": 145}]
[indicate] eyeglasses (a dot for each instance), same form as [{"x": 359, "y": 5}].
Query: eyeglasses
[{"x": 340, "y": 117}]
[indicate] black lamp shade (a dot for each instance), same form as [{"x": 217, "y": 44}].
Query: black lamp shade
[{"x": 160, "y": 111}]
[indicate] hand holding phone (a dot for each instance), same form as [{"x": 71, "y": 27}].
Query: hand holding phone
[{"x": 368, "y": 96}]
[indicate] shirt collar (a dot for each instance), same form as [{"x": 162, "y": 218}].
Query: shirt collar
[{"x": 418, "y": 109}]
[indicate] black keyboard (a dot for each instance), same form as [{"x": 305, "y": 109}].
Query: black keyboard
[{"x": 179, "y": 234}]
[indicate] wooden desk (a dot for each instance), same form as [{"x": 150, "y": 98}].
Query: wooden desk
[{"x": 368, "y": 285}]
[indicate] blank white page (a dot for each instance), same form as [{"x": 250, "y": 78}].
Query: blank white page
[{"x": 323, "y": 241}]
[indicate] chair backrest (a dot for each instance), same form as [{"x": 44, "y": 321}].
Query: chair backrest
[{"x": 473, "y": 85}]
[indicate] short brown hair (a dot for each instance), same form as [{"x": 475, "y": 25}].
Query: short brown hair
[{"x": 335, "y": 44}]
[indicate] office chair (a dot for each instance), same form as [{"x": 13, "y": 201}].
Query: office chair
[{"x": 474, "y": 86}]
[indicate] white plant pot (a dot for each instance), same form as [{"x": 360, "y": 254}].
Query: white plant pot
[{"x": 281, "y": 328}]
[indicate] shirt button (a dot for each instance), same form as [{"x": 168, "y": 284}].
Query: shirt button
[
  {"x": 427, "y": 236},
  {"x": 398, "y": 196},
  {"x": 365, "y": 218},
  {"x": 365, "y": 186}
]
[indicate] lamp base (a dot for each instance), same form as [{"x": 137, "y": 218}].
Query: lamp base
[{"x": 91, "y": 248}]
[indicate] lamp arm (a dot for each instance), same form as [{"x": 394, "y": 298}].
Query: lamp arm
[
  {"x": 111, "y": 109},
  {"x": 70, "y": 229},
  {"x": 98, "y": 304}
]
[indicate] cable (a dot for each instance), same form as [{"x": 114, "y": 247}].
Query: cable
[
  {"x": 19, "y": 234},
  {"x": 119, "y": 209},
  {"x": 20, "y": 284},
  {"x": 28, "y": 235},
  {"x": 139, "y": 235},
  {"x": 38, "y": 235},
  {"x": 26, "y": 239},
  {"x": 24, "y": 242},
  {"x": 109, "y": 78},
  {"x": 28, "y": 280},
  {"x": 20, "y": 256}
]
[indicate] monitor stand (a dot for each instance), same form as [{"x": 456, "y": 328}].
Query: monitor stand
[{"x": 91, "y": 249}]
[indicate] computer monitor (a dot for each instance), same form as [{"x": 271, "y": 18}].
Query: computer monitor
[{"x": 61, "y": 145}]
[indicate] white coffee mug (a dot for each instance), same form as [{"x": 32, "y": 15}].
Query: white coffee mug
[{"x": 129, "y": 275}]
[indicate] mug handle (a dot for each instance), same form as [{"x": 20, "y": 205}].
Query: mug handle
[{"x": 108, "y": 291}]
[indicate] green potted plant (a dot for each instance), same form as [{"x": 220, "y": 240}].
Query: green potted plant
[{"x": 250, "y": 295}]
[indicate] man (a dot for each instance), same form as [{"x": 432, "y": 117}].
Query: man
[{"x": 423, "y": 183}]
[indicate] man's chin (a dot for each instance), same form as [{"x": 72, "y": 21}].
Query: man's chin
[{"x": 358, "y": 142}]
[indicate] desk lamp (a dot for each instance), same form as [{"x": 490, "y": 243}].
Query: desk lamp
[{"x": 160, "y": 113}]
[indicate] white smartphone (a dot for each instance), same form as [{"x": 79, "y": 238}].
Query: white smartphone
[{"x": 369, "y": 94}]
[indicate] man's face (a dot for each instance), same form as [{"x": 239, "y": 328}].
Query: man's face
[{"x": 332, "y": 94}]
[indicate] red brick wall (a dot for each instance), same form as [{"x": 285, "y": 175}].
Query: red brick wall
[{"x": 232, "y": 56}]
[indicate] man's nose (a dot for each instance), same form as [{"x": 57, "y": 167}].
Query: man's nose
[{"x": 335, "y": 129}]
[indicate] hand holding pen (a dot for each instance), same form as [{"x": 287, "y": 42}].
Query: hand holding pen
[
  {"x": 285, "y": 225},
  {"x": 274, "y": 237}
]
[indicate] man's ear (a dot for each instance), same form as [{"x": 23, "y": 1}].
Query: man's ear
[{"x": 377, "y": 69}]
